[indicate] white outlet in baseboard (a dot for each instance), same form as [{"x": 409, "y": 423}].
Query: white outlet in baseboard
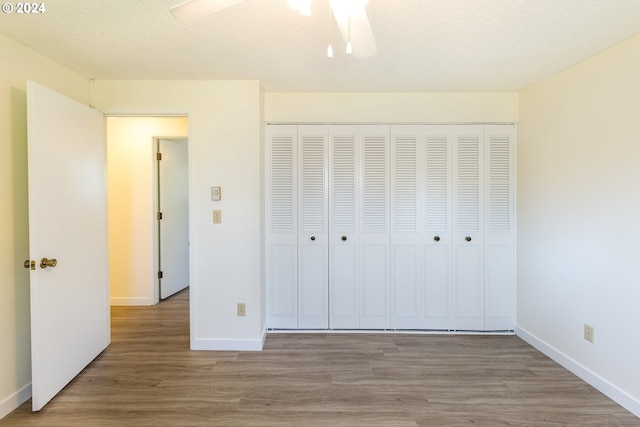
[{"x": 588, "y": 333}]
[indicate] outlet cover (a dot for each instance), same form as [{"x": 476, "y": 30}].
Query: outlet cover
[
  {"x": 588, "y": 333},
  {"x": 242, "y": 309}
]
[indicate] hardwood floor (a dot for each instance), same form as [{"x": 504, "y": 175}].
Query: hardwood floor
[{"x": 149, "y": 377}]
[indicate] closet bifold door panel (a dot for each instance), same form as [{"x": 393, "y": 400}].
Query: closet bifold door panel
[
  {"x": 313, "y": 243},
  {"x": 358, "y": 227},
  {"x": 436, "y": 205},
  {"x": 281, "y": 260},
  {"x": 344, "y": 298},
  {"x": 499, "y": 228},
  {"x": 405, "y": 244},
  {"x": 375, "y": 310},
  {"x": 468, "y": 222}
]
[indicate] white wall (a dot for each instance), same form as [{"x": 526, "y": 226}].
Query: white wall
[
  {"x": 131, "y": 168},
  {"x": 224, "y": 150},
  {"x": 20, "y": 64},
  {"x": 579, "y": 219},
  {"x": 391, "y": 107}
]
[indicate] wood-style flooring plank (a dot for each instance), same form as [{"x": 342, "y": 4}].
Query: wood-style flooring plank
[{"x": 149, "y": 377}]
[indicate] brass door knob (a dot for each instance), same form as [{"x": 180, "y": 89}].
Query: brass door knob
[
  {"x": 44, "y": 262},
  {"x": 28, "y": 264}
]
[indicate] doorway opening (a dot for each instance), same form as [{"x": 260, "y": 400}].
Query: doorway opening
[{"x": 141, "y": 259}]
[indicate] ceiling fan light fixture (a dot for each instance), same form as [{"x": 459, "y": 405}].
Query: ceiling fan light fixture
[{"x": 302, "y": 6}]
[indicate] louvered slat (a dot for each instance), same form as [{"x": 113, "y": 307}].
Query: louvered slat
[
  {"x": 375, "y": 194},
  {"x": 313, "y": 194},
  {"x": 344, "y": 183},
  {"x": 282, "y": 197},
  {"x": 499, "y": 185},
  {"x": 405, "y": 185},
  {"x": 468, "y": 184},
  {"x": 436, "y": 184}
]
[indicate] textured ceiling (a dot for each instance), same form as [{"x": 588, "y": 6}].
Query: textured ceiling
[{"x": 423, "y": 45}]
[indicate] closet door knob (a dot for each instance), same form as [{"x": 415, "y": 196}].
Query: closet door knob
[
  {"x": 436, "y": 238},
  {"x": 344, "y": 238},
  {"x": 313, "y": 237},
  {"x": 468, "y": 238}
]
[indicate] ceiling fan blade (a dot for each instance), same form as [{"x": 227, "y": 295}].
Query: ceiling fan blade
[
  {"x": 193, "y": 9},
  {"x": 362, "y": 40}
]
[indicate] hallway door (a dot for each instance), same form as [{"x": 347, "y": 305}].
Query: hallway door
[{"x": 173, "y": 218}]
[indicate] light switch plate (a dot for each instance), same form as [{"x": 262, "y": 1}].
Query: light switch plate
[
  {"x": 217, "y": 217},
  {"x": 216, "y": 194}
]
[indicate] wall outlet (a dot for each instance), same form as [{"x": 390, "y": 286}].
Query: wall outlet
[
  {"x": 588, "y": 333},
  {"x": 242, "y": 309}
]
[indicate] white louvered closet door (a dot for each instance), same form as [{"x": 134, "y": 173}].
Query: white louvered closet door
[
  {"x": 281, "y": 219},
  {"x": 499, "y": 228},
  {"x": 359, "y": 280},
  {"x": 406, "y": 253},
  {"x": 436, "y": 176},
  {"x": 403, "y": 226},
  {"x": 344, "y": 295},
  {"x": 312, "y": 227},
  {"x": 374, "y": 227},
  {"x": 468, "y": 222}
]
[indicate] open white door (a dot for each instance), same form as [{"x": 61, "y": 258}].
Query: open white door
[
  {"x": 67, "y": 222},
  {"x": 173, "y": 201}
]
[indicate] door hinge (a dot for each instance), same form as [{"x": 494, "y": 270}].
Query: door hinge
[
  {"x": 159, "y": 274},
  {"x": 159, "y": 216},
  {"x": 158, "y": 156}
]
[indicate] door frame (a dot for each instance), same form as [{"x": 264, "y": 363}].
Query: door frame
[{"x": 125, "y": 113}]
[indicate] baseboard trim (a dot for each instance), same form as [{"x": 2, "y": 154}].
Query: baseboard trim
[
  {"x": 12, "y": 402},
  {"x": 387, "y": 331},
  {"x": 229, "y": 345},
  {"x": 125, "y": 301},
  {"x": 605, "y": 387}
]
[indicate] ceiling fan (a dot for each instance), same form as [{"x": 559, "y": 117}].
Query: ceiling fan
[{"x": 350, "y": 16}]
